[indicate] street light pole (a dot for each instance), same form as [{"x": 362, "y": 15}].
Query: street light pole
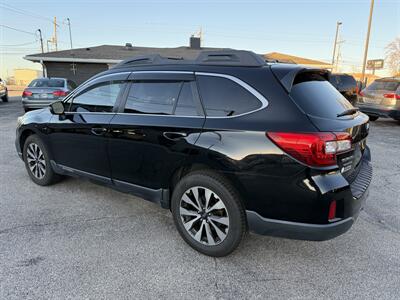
[
  {"x": 70, "y": 35},
  {"x": 41, "y": 46},
  {"x": 41, "y": 40},
  {"x": 371, "y": 9},
  {"x": 335, "y": 43}
]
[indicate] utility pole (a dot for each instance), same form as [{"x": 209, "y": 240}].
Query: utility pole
[
  {"x": 334, "y": 45},
  {"x": 55, "y": 33},
  {"x": 70, "y": 35},
  {"x": 371, "y": 9}
]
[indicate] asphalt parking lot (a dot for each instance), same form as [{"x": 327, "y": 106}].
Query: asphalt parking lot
[{"x": 77, "y": 239}]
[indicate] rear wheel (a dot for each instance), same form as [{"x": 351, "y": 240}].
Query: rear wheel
[
  {"x": 373, "y": 118},
  {"x": 208, "y": 213},
  {"x": 5, "y": 98},
  {"x": 37, "y": 162}
]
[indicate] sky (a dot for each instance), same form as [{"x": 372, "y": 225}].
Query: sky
[{"x": 301, "y": 28}]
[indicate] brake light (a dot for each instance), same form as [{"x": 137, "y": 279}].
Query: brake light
[
  {"x": 361, "y": 93},
  {"x": 59, "y": 93},
  {"x": 392, "y": 95},
  {"x": 317, "y": 149},
  {"x": 332, "y": 211},
  {"x": 26, "y": 93}
]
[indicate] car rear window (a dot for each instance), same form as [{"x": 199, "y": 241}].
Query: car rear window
[
  {"x": 384, "y": 85},
  {"x": 317, "y": 97},
  {"x": 47, "y": 83}
]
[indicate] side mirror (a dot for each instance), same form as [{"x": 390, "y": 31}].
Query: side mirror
[{"x": 57, "y": 108}]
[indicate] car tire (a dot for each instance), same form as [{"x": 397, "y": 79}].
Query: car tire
[
  {"x": 373, "y": 118},
  {"x": 5, "y": 98},
  {"x": 37, "y": 162},
  {"x": 215, "y": 229}
]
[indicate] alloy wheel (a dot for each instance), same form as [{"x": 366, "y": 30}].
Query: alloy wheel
[
  {"x": 36, "y": 161},
  {"x": 204, "y": 215}
]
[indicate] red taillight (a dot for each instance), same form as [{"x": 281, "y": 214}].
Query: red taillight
[
  {"x": 59, "y": 93},
  {"x": 332, "y": 211},
  {"x": 392, "y": 95},
  {"x": 361, "y": 93},
  {"x": 317, "y": 149},
  {"x": 26, "y": 93}
]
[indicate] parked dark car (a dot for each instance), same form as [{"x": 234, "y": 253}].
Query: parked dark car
[
  {"x": 3, "y": 91},
  {"x": 43, "y": 91},
  {"x": 346, "y": 85},
  {"x": 381, "y": 99},
  {"x": 226, "y": 142}
]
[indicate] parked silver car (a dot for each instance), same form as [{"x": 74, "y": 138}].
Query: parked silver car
[
  {"x": 3, "y": 91},
  {"x": 381, "y": 99},
  {"x": 44, "y": 91}
]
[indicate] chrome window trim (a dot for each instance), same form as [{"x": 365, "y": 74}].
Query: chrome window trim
[
  {"x": 163, "y": 72},
  {"x": 133, "y": 114},
  {"x": 250, "y": 89}
]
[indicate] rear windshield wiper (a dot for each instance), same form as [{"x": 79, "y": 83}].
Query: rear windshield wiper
[{"x": 348, "y": 112}]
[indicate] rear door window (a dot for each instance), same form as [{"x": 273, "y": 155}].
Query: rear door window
[
  {"x": 224, "y": 97},
  {"x": 317, "y": 97},
  {"x": 186, "y": 103},
  {"x": 153, "y": 97}
]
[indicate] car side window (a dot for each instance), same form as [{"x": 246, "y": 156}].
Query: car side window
[
  {"x": 152, "y": 97},
  {"x": 224, "y": 97},
  {"x": 186, "y": 105},
  {"x": 98, "y": 98}
]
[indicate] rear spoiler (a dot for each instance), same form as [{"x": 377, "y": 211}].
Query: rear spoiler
[{"x": 286, "y": 73}]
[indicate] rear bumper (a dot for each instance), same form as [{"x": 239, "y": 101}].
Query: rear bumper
[
  {"x": 39, "y": 103},
  {"x": 356, "y": 194},
  {"x": 3, "y": 93},
  {"x": 385, "y": 112},
  {"x": 295, "y": 230}
]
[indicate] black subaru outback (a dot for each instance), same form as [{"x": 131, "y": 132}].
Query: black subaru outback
[{"x": 227, "y": 142}]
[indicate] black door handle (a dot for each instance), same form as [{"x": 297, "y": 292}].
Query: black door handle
[
  {"x": 99, "y": 130},
  {"x": 174, "y": 135}
]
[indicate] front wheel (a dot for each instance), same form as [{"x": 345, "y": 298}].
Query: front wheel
[
  {"x": 208, "y": 213},
  {"x": 5, "y": 98},
  {"x": 37, "y": 162}
]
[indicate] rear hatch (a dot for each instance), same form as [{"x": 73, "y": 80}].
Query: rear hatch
[
  {"x": 381, "y": 93},
  {"x": 329, "y": 111}
]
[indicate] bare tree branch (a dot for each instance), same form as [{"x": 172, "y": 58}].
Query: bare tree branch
[{"x": 393, "y": 56}]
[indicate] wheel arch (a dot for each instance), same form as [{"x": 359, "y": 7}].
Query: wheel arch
[
  {"x": 190, "y": 167},
  {"x": 23, "y": 136}
]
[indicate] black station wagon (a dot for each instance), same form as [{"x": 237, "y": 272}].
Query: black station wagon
[{"x": 227, "y": 142}]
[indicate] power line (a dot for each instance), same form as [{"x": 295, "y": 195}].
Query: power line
[
  {"x": 16, "y": 29},
  {"x": 24, "y": 12},
  {"x": 17, "y": 45}
]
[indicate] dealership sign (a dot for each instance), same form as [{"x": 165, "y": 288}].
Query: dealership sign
[{"x": 374, "y": 64}]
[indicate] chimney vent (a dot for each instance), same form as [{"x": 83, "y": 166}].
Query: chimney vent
[{"x": 195, "y": 42}]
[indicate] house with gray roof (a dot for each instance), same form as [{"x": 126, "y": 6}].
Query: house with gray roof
[{"x": 81, "y": 64}]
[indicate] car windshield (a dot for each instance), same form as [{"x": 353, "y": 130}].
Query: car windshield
[
  {"x": 317, "y": 97},
  {"x": 384, "y": 85},
  {"x": 47, "y": 83}
]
